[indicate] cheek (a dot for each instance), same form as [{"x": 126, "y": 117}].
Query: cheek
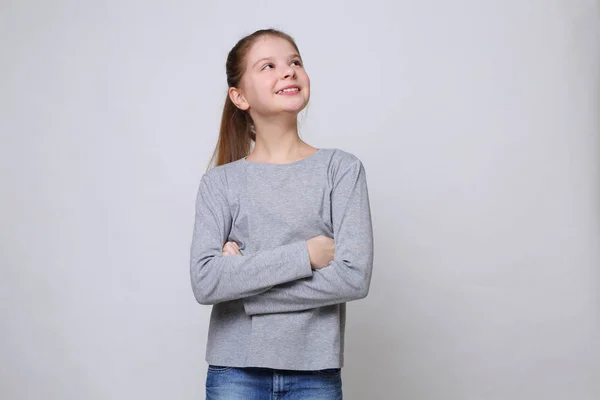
[
  {"x": 255, "y": 96},
  {"x": 262, "y": 91},
  {"x": 256, "y": 90},
  {"x": 305, "y": 80}
]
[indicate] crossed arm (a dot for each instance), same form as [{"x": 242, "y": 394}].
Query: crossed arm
[{"x": 281, "y": 280}]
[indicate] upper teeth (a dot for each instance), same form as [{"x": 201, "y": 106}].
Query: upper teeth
[{"x": 289, "y": 90}]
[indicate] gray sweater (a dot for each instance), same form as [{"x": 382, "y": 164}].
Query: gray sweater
[{"x": 269, "y": 307}]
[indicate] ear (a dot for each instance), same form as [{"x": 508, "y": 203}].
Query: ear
[{"x": 238, "y": 98}]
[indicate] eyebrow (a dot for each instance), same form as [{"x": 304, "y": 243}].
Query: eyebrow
[{"x": 270, "y": 58}]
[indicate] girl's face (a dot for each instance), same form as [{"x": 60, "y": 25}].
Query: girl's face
[{"x": 272, "y": 65}]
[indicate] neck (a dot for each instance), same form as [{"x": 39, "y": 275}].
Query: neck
[{"x": 277, "y": 140}]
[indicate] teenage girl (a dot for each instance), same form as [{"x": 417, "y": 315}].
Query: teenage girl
[{"x": 282, "y": 236}]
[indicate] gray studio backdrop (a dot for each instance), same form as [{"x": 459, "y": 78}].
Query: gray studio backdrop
[{"x": 478, "y": 125}]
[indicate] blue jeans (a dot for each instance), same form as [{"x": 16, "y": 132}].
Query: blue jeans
[{"x": 252, "y": 383}]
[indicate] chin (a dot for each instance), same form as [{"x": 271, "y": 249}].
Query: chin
[
  {"x": 296, "y": 110},
  {"x": 296, "y": 106}
]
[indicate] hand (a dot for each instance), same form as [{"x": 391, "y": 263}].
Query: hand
[
  {"x": 321, "y": 250},
  {"x": 231, "y": 249}
]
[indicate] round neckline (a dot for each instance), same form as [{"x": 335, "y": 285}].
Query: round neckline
[{"x": 280, "y": 164}]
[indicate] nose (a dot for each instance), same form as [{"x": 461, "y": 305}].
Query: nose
[{"x": 289, "y": 72}]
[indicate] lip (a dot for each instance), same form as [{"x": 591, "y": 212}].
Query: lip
[{"x": 288, "y": 87}]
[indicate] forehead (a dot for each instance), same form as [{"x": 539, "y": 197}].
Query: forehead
[{"x": 269, "y": 46}]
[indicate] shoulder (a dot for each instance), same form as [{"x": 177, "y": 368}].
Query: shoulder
[
  {"x": 341, "y": 160},
  {"x": 343, "y": 166},
  {"x": 220, "y": 175}
]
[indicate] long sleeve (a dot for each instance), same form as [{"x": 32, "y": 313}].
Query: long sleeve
[
  {"x": 348, "y": 275},
  {"x": 216, "y": 278}
]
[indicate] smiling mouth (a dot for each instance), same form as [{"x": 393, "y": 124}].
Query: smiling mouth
[{"x": 290, "y": 90}]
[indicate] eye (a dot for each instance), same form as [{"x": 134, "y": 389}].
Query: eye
[{"x": 298, "y": 62}]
